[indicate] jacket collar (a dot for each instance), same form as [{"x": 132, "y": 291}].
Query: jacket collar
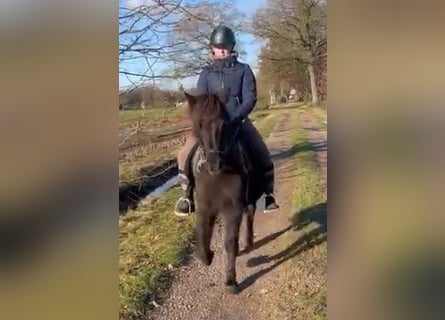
[{"x": 225, "y": 63}]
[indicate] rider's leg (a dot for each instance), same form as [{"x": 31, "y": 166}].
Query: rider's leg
[
  {"x": 254, "y": 143},
  {"x": 184, "y": 205}
]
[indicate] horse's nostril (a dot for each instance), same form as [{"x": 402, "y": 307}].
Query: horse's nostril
[{"x": 214, "y": 169}]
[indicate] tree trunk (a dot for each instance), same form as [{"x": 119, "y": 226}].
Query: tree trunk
[
  {"x": 313, "y": 84},
  {"x": 272, "y": 96}
]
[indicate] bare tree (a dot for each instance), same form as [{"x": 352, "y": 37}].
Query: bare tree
[
  {"x": 297, "y": 29},
  {"x": 277, "y": 75},
  {"x": 168, "y": 38},
  {"x": 192, "y": 34},
  {"x": 143, "y": 27}
]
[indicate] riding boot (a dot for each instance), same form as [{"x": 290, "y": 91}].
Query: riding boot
[
  {"x": 257, "y": 149},
  {"x": 270, "y": 202},
  {"x": 185, "y": 204}
]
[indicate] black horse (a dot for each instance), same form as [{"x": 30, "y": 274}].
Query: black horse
[{"x": 223, "y": 181}]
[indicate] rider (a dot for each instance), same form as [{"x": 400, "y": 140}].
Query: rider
[{"x": 225, "y": 74}]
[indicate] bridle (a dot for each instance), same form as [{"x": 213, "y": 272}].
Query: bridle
[{"x": 229, "y": 146}]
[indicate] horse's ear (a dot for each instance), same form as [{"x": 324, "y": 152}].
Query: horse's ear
[{"x": 190, "y": 99}]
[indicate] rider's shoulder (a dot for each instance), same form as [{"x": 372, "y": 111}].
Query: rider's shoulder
[
  {"x": 206, "y": 67},
  {"x": 242, "y": 65}
]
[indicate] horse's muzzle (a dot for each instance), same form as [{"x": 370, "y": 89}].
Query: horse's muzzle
[
  {"x": 214, "y": 163},
  {"x": 214, "y": 171}
]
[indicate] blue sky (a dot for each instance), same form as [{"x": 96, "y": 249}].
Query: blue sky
[{"x": 250, "y": 45}]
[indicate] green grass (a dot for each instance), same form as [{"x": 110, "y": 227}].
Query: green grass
[
  {"x": 129, "y": 171},
  {"x": 259, "y": 114},
  {"x": 129, "y": 115},
  {"x": 309, "y": 200},
  {"x": 266, "y": 121},
  {"x": 320, "y": 114},
  {"x": 149, "y": 114},
  {"x": 316, "y": 303},
  {"x": 307, "y": 192},
  {"x": 152, "y": 238}
]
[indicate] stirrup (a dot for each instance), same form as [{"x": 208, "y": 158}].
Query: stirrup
[
  {"x": 183, "y": 214},
  {"x": 274, "y": 208}
]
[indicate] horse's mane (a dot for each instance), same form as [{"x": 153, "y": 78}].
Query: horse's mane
[{"x": 207, "y": 110}]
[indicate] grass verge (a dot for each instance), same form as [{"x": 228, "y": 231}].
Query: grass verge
[
  {"x": 319, "y": 113},
  {"x": 265, "y": 121},
  {"x": 309, "y": 293},
  {"x": 152, "y": 240}
]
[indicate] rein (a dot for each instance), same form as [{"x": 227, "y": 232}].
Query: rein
[{"x": 230, "y": 145}]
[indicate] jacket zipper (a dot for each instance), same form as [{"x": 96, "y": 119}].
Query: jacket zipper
[
  {"x": 222, "y": 81},
  {"x": 222, "y": 86}
]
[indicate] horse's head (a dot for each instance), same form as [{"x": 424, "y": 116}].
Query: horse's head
[{"x": 210, "y": 125}]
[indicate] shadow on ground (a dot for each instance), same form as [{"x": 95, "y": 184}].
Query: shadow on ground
[
  {"x": 300, "y": 147},
  {"x": 317, "y": 214},
  {"x": 258, "y": 244}
]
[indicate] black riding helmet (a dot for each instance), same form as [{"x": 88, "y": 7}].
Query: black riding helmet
[{"x": 222, "y": 36}]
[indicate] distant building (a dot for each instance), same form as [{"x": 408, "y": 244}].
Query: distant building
[
  {"x": 179, "y": 104},
  {"x": 293, "y": 95}
]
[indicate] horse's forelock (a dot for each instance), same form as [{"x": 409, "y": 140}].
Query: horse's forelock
[
  {"x": 207, "y": 110},
  {"x": 212, "y": 110}
]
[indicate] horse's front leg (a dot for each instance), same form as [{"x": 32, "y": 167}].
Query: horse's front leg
[
  {"x": 232, "y": 226},
  {"x": 249, "y": 212},
  {"x": 204, "y": 227}
]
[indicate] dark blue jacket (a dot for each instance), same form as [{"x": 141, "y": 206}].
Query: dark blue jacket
[{"x": 229, "y": 76}]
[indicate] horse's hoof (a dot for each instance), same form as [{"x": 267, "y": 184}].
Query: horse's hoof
[
  {"x": 233, "y": 289},
  {"x": 246, "y": 250}
]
